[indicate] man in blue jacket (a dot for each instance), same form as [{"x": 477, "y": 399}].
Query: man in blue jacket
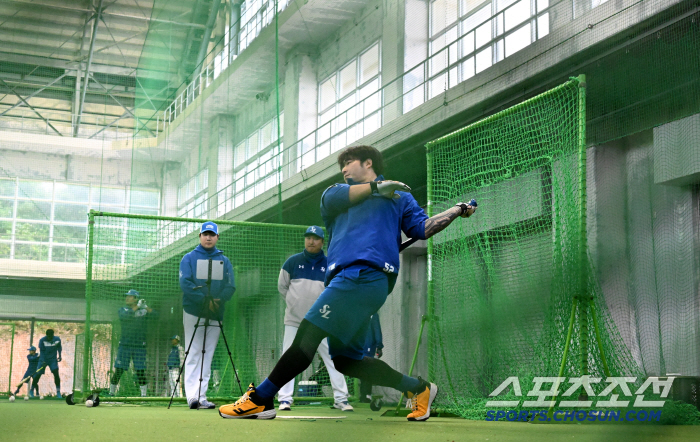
[
  {"x": 133, "y": 318},
  {"x": 50, "y": 350},
  {"x": 364, "y": 219},
  {"x": 207, "y": 302}
]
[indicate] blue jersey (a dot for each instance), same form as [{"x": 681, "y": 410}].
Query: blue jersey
[
  {"x": 174, "y": 357},
  {"x": 368, "y": 233},
  {"x": 194, "y": 290},
  {"x": 33, "y": 362},
  {"x": 48, "y": 350},
  {"x": 134, "y": 326}
]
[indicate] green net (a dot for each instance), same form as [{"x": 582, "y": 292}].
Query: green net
[
  {"x": 144, "y": 253},
  {"x": 512, "y": 276}
]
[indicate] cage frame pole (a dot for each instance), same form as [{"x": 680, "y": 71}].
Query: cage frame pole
[
  {"x": 12, "y": 350},
  {"x": 87, "y": 344}
]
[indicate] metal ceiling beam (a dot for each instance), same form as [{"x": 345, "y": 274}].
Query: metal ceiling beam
[
  {"x": 36, "y": 60},
  {"x": 205, "y": 38},
  {"x": 19, "y": 103},
  {"x": 125, "y": 108},
  {"x": 34, "y": 5},
  {"x": 87, "y": 68},
  {"x": 124, "y": 115},
  {"x": 30, "y": 107}
]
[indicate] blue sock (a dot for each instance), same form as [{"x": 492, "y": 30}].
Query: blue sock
[
  {"x": 266, "y": 389},
  {"x": 408, "y": 384}
]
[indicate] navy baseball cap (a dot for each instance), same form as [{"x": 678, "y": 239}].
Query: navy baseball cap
[
  {"x": 133, "y": 293},
  {"x": 32, "y": 348},
  {"x": 314, "y": 230},
  {"x": 210, "y": 227},
  {"x": 175, "y": 337}
]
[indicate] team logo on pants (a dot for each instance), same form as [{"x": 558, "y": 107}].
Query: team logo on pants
[{"x": 325, "y": 311}]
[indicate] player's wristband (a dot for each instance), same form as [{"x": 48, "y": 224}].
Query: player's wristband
[
  {"x": 373, "y": 186},
  {"x": 463, "y": 207}
]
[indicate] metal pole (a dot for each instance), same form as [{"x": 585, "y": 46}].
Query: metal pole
[
  {"x": 88, "y": 305},
  {"x": 583, "y": 244},
  {"x": 31, "y": 335},
  {"x": 87, "y": 68},
  {"x": 566, "y": 352},
  {"x": 12, "y": 350}
]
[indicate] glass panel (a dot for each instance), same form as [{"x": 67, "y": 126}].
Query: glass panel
[
  {"x": 69, "y": 234},
  {"x": 438, "y": 62},
  {"x": 146, "y": 198},
  {"x": 454, "y": 77},
  {"x": 442, "y": 14},
  {"x": 348, "y": 79},
  {"x": 476, "y": 19},
  {"x": 542, "y": 5},
  {"x": 34, "y": 252},
  {"x": 483, "y": 34},
  {"x": 107, "y": 195},
  {"x": 323, "y": 150},
  {"x": 483, "y": 60},
  {"x": 32, "y": 232},
  {"x": 413, "y": 98},
  {"x": 72, "y": 192},
  {"x": 468, "y": 68},
  {"x": 466, "y": 45},
  {"x": 70, "y": 212},
  {"x": 372, "y": 123},
  {"x": 324, "y": 132},
  {"x": 327, "y": 116},
  {"x": 266, "y": 134},
  {"x": 5, "y": 229},
  {"x": 467, "y": 6},
  {"x": 6, "y": 207},
  {"x": 33, "y": 210},
  {"x": 543, "y": 25},
  {"x": 517, "y": 14},
  {"x": 327, "y": 95},
  {"x": 503, "y": 4},
  {"x": 253, "y": 145},
  {"x": 239, "y": 154},
  {"x": 438, "y": 85},
  {"x": 35, "y": 189},
  {"x": 518, "y": 40},
  {"x": 7, "y": 188},
  {"x": 68, "y": 254},
  {"x": 4, "y": 250},
  {"x": 372, "y": 103},
  {"x": 369, "y": 64}
]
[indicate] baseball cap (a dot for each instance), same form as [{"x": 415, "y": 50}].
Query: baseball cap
[
  {"x": 175, "y": 337},
  {"x": 314, "y": 230},
  {"x": 133, "y": 292},
  {"x": 210, "y": 227},
  {"x": 32, "y": 348}
]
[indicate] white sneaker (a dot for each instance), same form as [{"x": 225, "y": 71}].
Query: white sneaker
[
  {"x": 343, "y": 406},
  {"x": 285, "y": 406},
  {"x": 205, "y": 404}
]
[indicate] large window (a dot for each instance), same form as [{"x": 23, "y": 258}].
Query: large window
[
  {"x": 192, "y": 196},
  {"x": 251, "y": 167},
  {"x": 469, "y": 36},
  {"x": 47, "y": 220},
  {"x": 349, "y": 103}
]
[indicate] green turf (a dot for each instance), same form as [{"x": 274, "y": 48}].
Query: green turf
[{"x": 53, "y": 420}]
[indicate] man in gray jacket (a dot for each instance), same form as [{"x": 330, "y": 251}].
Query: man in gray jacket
[{"x": 300, "y": 283}]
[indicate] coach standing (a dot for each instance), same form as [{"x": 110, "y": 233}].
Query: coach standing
[
  {"x": 300, "y": 283},
  {"x": 197, "y": 300}
]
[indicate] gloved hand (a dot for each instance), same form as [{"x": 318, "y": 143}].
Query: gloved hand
[
  {"x": 142, "y": 304},
  {"x": 380, "y": 353},
  {"x": 468, "y": 209},
  {"x": 59, "y": 359},
  {"x": 388, "y": 187}
]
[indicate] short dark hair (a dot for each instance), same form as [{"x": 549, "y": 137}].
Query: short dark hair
[
  {"x": 363, "y": 153},
  {"x": 49, "y": 331}
]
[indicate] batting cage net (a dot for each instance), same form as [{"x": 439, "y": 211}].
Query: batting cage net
[
  {"x": 143, "y": 253},
  {"x": 513, "y": 283}
]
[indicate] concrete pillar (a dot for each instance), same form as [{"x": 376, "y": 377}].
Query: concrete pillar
[
  {"x": 393, "y": 29},
  {"x": 300, "y": 110}
]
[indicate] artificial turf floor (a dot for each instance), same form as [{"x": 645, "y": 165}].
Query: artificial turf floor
[{"x": 53, "y": 420}]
